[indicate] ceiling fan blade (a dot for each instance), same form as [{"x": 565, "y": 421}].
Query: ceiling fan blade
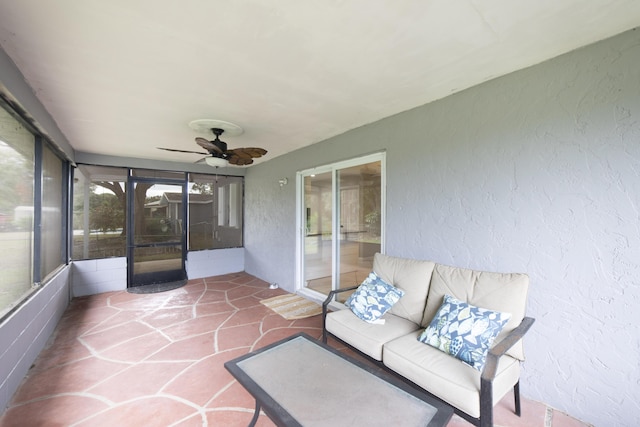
[
  {"x": 181, "y": 151},
  {"x": 248, "y": 152},
  {"x": 238, "y": 152},
  {"x": 239, "y": 161},
  {"x": 209, "y": 145}
]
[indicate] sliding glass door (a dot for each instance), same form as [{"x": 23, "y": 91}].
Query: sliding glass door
[
  {"x": 318, "y": 233},
  {"x": 341, "y": 216}
]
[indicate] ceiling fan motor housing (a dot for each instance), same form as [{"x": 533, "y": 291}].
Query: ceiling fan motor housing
[{"x": 221, "y": 145}]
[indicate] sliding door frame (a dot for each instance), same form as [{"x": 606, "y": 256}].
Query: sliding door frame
[{"x": 301, "y": 220}]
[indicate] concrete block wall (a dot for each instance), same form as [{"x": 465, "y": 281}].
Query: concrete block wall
[
  {"x": 25, "y": 332},
  {"x": 214, "y": 262},
  {"x": 96, "y": 276}
]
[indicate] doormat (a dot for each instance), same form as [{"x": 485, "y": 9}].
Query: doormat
[
  {"x": 292, "y": 306},
  {"x": 157, "y": 287}
]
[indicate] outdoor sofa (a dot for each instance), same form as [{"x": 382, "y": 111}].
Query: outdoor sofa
[{"x": 475, "y": 299}]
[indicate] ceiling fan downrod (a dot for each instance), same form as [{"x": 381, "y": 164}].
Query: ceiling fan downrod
[{"x": 217, "y": 132}]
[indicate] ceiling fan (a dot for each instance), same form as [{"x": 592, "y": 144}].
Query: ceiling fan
[{"x": 218, "y": 153}]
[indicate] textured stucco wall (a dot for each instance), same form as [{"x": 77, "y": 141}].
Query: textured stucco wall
[{"x": 536, "y": 172}]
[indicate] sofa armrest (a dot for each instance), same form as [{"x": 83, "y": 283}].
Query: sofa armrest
[
  {"x": 491, "y": 368},
  {"x": 498, "y": 350},
  {"x": 325, "y": 306},
  {"x": 332, "y": 294}
]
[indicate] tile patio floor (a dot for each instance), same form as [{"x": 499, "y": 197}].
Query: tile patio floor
[{"x": 121, "y": 359}]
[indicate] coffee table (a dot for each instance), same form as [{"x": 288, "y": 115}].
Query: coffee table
[{"x": 299, "y": 381}]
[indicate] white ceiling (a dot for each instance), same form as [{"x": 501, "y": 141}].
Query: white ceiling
[{"x": 122, "y": 77}]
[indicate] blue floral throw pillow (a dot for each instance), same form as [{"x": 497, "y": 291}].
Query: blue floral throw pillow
[
  {"x": 373, "y": 298},
  {"x": 464, "y": 331}
]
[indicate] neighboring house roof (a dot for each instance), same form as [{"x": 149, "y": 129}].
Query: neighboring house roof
[
  {"x": 193, "y": 198},
  {"x": 168, "y": 198}
]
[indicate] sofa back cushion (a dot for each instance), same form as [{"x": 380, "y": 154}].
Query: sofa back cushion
[
  {"x": 413, "y": 277},
  {"x": 505, "y": 292}
]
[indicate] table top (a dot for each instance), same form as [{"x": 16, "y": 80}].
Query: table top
[{"x": 301, "y": 381}]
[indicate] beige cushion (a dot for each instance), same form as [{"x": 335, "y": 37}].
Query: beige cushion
[
  {"x": 445, "y": 376},
  {"x": 412, "y": 276},
  {"x": 506, "y": 292},
  {"x": 366, "y": 337}
]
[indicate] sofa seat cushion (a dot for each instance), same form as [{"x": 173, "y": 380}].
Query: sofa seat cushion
[
  {"x": 445, "y": 376},
  {"x": 504, "y": 292},
  {"x": 412, "y": 276},
  {"x": 367, "y": 337}
]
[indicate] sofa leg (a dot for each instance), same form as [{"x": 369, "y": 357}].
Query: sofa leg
[{"x": 516, "y": 395}]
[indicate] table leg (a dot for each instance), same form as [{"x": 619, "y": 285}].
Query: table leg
[{"x": 256, "y": 414}]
